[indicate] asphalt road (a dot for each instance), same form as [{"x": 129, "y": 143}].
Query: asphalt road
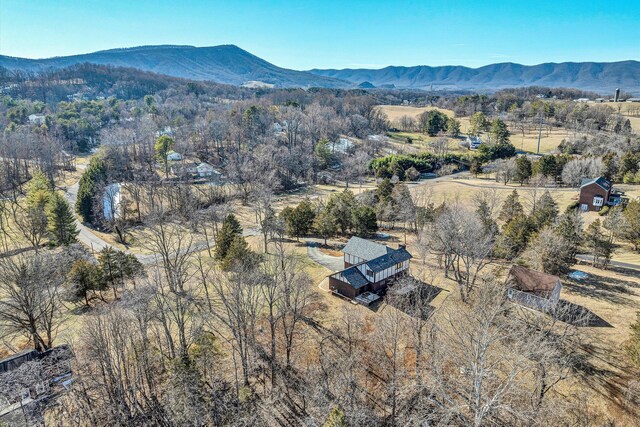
[{"x": 589, "y": 258}]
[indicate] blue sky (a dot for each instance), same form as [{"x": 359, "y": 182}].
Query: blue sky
[{"x": 334, "y": 34}]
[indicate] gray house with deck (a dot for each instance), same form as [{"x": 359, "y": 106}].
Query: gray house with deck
[{"x": 369, "y": 267}]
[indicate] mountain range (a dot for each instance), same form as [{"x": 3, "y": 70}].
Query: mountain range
[
  {"x": 226, "y": 64},
  {"x": 600, "y": 77},
  {"x": 230, "y": 64}
]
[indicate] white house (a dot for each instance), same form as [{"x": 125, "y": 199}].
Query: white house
[
  {"x": 277, "y": 128},
  {"x": 343, "y": 145},
  {"x": 205, "y": 170},
  {"x": 173, "y": 156},
  {"x": 111, "y": 202},
  {"x": 36, "y": 119}
]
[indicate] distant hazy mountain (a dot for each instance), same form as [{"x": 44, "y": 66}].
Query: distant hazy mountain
[
  {"x": 224, "y": 64},
  {"x": 231, "y": 65},
  {"x": 594, "y": 76}
]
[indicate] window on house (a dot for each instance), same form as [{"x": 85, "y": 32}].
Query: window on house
[
  {"x": 369, "y": 272},
  {"x": 598, "y": 201},
  {"x": 584, "y": 207},
  {"x": 398, "y": 266}
]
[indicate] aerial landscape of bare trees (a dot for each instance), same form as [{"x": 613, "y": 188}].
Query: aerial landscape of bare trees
[{"x": 201, "y": 306}]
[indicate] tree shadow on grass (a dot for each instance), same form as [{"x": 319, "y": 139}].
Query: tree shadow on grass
[
  {"x": 603, "y": 288},
  {"x": 604, "y": 373},
  {"x": 627, "y": 272}
]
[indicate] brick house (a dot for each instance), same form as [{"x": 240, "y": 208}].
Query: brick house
[{"x": 597, "y": 193}]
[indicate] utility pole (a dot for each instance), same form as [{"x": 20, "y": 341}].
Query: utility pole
[{"x": 540, "y": 132}]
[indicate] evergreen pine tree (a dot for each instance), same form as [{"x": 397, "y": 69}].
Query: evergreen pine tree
[
  {"x": 38, "y": 191},
  {"x": 341, "y": 205},
  {"x": 514, "y": 237},
  {"x": 364, "y": 220},
  {"x": 523, "y": 169},
  {"x": 84, "y": 277},
  {"x": 484, "y": 214},
  {"x": 61, "y": 223},
  {"x": 325, "y": 225},
  {"x": 511, "y": 207},
  {"x": 499, "y": 132},
  {"x": 569, "y": 226},
  {"x": 384, "y": 191},
  {"x": 230, "y": 229},
  {"x": 546, "y": 210},
  {"x": 88, "y": 188},
  {"x": 237, "y": 253}
]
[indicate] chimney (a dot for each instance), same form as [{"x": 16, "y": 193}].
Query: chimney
[{"x": 616, "y": 98}]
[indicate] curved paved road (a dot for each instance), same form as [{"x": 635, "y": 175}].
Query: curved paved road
[{"x": 589, "y": 258}]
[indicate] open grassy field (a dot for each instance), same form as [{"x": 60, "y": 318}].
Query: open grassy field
[
  {"x": 464, "y": 189},
  {"x": 630, "y": 110},
  {"x": 395, "y": 112},
  {"x": 527, "y": 142}
]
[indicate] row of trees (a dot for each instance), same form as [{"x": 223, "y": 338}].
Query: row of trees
[{"x": 43, "y": 215}]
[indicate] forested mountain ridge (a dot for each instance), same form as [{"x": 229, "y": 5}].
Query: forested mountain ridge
[
  {"x": 595, "y": 76},
  {"x": 230, "y": 64},
  {"x": 223, "y": 64}
]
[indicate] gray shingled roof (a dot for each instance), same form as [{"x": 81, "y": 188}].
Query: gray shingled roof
[
  {"x": 352, "y": 276},
  {"x": 389, "y": 260},
  {"x": 602, "y": 182},
  {"x": 365, "y": 249}
]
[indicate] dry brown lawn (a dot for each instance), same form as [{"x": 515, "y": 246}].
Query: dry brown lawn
[
  {"x": 630, "y": 110},
  {"x": 464, "y": 189},
  {"x": 549, "y": 141},
  {"x": 395, "y": 112}
]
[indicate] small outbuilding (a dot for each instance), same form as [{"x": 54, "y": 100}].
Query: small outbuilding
[
  {"x": 533, "y": 289},
  {"x": 37, "y": 119}
]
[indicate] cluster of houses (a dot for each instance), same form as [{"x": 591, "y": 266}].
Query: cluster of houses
[{"x": 182, "y": 168}]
